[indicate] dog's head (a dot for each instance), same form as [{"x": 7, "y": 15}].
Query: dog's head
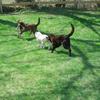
[
  {"x": 56, "y": 38},
  {"x": 20, "y": 23},
  {"x": 51, "y": 37}
]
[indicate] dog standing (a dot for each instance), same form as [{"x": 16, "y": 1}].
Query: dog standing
[
  {"x": 22, "y": 27},
  {"x": 42, "y": 38},
  {"x": 61, "y": 40}
]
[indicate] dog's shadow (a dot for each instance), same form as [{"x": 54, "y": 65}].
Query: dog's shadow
[
  {"x": 66, "y": 53},
  {"x": 29, "y": 39}
]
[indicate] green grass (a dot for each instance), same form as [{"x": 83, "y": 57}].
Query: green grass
[{"x": 30, "y": 73}]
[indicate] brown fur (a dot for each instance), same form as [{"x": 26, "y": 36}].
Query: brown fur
[
  {"x": 27, "y": 27},
  {"x": 61, "y": 40}
]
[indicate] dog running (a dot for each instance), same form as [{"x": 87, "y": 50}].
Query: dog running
[
  {"x": 22, "y": 27},
  {"x": 64, "y": 40},
  {"x": 42, "y": 38}
]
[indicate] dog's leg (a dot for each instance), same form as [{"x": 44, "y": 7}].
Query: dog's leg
[
  {"x": 19, "y": 35},
  {"x": 69, "y": 51},
  {"x": 19, "y": 31},
  {"x": 43, "y": 45},
  {"x": 49, "y": 46},
  {"x": 52, "y": 50},
  {"x": 32, "y": 34},
  {"x": 39, "y": 43}
]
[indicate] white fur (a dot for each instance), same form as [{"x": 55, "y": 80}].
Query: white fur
[{"x": 42, "y": 38}]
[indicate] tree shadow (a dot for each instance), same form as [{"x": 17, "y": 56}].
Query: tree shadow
[
  {"x": 87, "y": 23},
  {"x": 18, "y": 52},
  {"x": 69, "y": 85},
  {"x": 6, "y": 22},
  {"x": 87, "y": 66},
  {"x": 93, "y": 43},
  {"x": 66, "y": 86},
  {"x": 9, "y": 35},
  {"x": 85, "y": 60},
  {"x": 74, "y": 14},
  {"x": 66, "y": 53},
  {"x": 6, "y": 41},
  {"x": 85, "y": 13}
]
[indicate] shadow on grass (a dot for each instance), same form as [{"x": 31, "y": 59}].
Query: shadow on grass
[
  {"x": 7, "y": 41},
  {"x": 85, "y": 60},
  {"x": 14, "y": 35},
  {"x": 6, "y": 22},
  {"x": 87, "y": 66},
  {"x": 93, "y": 43},
  {"x": 18, "y": 52},
  {"x": 9, "y": 35},
  {"x": 68, "y": 86},
  {"x": 74, "y": 14},
  {"x": 29, "y": 39}
]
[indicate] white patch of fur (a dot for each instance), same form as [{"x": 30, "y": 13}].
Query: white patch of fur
[{"x": 42, "y": 38}]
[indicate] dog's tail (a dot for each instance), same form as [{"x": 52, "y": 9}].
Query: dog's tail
[
  {"x": 38, "y": 22},
  {"x": 72, "y": 31}
]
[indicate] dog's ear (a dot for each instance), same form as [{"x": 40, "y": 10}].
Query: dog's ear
[{"x": 18, "y": 21}]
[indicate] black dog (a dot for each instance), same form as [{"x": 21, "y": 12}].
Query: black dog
[
  {"x": 27, "y": 27},
  {"x": 61, "y": 40}
]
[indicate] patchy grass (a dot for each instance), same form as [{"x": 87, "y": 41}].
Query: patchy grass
[{"x": 30, "y": 73}]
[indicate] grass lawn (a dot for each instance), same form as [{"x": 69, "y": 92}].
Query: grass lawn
[{"x": 30, "y": 73}]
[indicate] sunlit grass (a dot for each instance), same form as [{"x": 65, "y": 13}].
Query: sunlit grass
[{"x": 28, "y": 72}]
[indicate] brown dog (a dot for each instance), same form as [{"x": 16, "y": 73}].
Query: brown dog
[
  {"x": 22, "y": 27},
  {"x": 61, "y": 40}
]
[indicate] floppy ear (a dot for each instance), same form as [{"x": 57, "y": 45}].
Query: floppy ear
[{"x": 18, "y": 21}]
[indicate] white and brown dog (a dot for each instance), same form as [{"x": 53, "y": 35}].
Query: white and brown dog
[
  {"x": 41, "y": 38},
  {"x": 23, "y": 27}
]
